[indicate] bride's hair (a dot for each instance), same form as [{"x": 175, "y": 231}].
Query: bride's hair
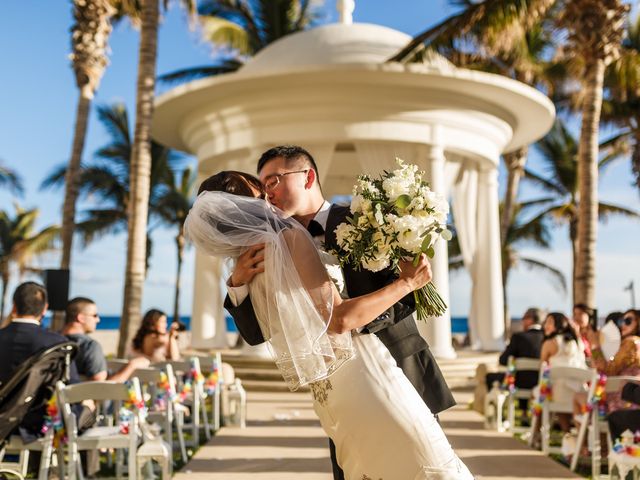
[{"x": 231, "y": 181}]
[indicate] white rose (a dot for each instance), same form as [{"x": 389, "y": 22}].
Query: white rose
[
  {"x": 356, "y": 204},
  {"x": 396, "y": 186},
  {"x": 376, "y": 264},
  {"x": 345, "y": 234}
]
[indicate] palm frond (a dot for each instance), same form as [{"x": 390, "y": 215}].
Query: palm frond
[
  {"x": 556, "y": 275},
  {"x": 222, "y": 32},
  {"x": 11, "y": 180},
  {"x": 55, "y": 179},
  {"x": 193, "y": 73},
  {"x": 490, "y": 22},
  {"x": 606, "y": 210}
]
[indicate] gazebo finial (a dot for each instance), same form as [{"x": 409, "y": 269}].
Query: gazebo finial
[{"x": 345, "y": 9}]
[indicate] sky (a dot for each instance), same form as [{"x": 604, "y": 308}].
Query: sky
[{"x": 38, "y": 100}]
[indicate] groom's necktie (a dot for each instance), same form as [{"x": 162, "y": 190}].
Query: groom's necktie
[{"x": 315, "y": 229}]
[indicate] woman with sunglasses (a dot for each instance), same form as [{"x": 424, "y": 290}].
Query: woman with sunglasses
[{"x": 626, "y": 361}]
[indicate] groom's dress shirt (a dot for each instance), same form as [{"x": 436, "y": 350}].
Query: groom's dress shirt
[{"x": 238, "y": 294}]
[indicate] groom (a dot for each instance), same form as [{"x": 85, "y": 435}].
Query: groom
[{"x": 290, "y": 177}]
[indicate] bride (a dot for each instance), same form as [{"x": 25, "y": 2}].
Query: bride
[{"x": 381, "y": 427}]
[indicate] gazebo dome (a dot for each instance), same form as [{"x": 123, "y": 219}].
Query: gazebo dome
[{"x": 334, "y": 44}]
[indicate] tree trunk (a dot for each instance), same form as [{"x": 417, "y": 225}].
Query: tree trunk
[
  {"x": 573, "y": 233},
  {"x": 588, "y": 183},
  {"x": 140, "y": 177},
  {"x": 72, "y": 181},
  {"x": 176, "y": 303},
  {"x": 515, "y": 162}
]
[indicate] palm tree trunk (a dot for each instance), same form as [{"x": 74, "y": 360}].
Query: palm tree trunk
[
  {"x": 140, "y": 176},
  {"x": 72, "y": 180},
  {"x": 515, "y": 162},
  {"x": 588, "y": 183},
  {"x": 573, "y": 233},
  {"x": 176, "y": 303}
]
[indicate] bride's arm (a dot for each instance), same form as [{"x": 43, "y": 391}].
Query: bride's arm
[
  {"x": 359, "y": 311},
  {"x": 354, "y": 312}
]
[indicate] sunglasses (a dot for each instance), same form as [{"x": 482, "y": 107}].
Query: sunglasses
[{"x": 626, "y": 321}]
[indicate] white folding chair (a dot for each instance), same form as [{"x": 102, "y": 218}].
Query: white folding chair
[
  {"x": 194, "y": 399},
  {"x": 549, "y": 407},
  {"x": 99, "y": 437},
  {"x": 234, "y": 398},
  {"x": 592, "y": 423},
  {"x": 168, "y": 415},
  {"x": 521, "y": 365},
  {"x": 494, "y": 402},
  {"x": 15, "y": 446},
  {"x": 211, "y": 364}
]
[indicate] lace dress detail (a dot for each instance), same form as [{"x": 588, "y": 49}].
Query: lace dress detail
[{"x": 320, "y": 391}]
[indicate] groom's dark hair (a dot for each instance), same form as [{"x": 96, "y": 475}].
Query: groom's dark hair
[{"x": 290, "y": 153}]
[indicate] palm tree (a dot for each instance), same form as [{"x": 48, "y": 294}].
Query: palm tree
[
  {"x": 592, "y": 31},
  {"x": 105, "y": 181},
  {"x": 559, "y": 150},
  {"x": 89, "y": 37},
  {"x": 11, "y": 179},
  {"x": 141, "y": 171},
  {"x": 20, "y": 242},
  {"x": 173, "y": 207},
  {"x": 241, "y": 28}
]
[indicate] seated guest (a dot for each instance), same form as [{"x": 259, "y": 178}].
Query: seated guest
[
  {"x": 525, "y": 344},
  {"x": 580, "y": 322},
  {"x": 562, "y": 348},
  {"x": 82, "y": 319},
  {"x": 153, "y": 341},
  {"x": 626, "y": 418},
  {"x": 24, "y": 337},
  {"x": 627, "y": 359}
]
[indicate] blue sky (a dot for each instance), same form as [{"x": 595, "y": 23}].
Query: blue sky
[{"x": 38, "y": 98}]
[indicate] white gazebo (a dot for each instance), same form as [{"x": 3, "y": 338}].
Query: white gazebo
[{"x": 331, "y": 90}]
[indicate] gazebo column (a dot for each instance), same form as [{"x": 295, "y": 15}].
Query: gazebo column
[
  {"x": 208, "y": 326},
  {"x": 487, "y": 283},
  {"x": 437, "y": 330}
]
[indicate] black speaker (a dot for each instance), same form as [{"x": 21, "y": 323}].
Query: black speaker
[{"x": 57, "y": 284}]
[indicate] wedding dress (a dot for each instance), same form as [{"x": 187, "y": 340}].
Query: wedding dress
[{"x": 380, "y": 425}]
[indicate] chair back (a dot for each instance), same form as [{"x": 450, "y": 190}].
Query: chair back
[
  {"x": 116, "y": 364},
  {"x": 570, "y": 374},
  {"x": 523, "y": 364},
  {"x": 228, "y": 374}
]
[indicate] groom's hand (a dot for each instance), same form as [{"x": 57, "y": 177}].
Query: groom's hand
[{"x": 249, "y": 264}]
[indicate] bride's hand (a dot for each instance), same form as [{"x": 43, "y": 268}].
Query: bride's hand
[
  {"x": 416, "y": 276},
  {"x": 249, "y": 264}
]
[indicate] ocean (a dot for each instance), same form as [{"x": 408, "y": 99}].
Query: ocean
[{"x": 112, "y": 322}]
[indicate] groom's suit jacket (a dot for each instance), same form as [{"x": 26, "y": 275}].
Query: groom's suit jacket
[{"x": 396, "y": 328}]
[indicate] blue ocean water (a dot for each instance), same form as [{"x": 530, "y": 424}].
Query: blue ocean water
[{"x": 112, "y": 322}]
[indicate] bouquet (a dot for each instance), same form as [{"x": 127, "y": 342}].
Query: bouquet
[{"x": 395, "y": 217}]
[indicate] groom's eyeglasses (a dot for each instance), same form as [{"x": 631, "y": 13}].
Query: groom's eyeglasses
[{"x": 274, "y": 180}]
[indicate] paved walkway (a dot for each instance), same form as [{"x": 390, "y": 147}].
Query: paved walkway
[{"x": 283, "y": 440}]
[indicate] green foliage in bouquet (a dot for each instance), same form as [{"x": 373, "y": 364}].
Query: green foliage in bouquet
[{"x": 395, "y": 217}]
